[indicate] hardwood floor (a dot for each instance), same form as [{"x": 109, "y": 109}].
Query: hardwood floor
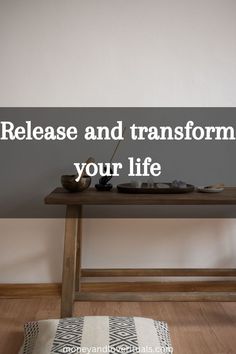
[{"x": 195, "y": 328}]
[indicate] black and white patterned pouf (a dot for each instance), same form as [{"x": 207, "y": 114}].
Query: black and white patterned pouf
[{"x": 97, "y": 334}]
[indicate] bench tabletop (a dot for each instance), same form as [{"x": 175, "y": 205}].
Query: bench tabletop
[{"x": 91, "y": 196}]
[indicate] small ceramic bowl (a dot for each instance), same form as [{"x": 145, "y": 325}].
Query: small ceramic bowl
[{"x": 68, "y": 182}]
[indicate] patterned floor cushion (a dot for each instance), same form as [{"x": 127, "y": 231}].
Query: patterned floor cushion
[{"x": 96, "y": 334}]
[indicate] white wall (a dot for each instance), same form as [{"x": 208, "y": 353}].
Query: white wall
[{"x": 116, "y": 53}]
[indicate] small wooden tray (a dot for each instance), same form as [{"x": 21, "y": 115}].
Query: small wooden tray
[{"x": 146, "y": 189}]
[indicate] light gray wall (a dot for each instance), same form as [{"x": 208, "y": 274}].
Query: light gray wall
[{"x": 116, "y": 53}]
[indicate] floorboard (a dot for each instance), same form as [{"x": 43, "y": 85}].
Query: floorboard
[{"x": 196, "y": 328}]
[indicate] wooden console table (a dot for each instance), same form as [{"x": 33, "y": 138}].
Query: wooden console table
[{"x": 73, "y": 274}]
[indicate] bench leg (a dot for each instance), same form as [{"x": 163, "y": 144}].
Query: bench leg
[
  {"x": 78, "y": 251},
  {"x": 69, "y": 261}
]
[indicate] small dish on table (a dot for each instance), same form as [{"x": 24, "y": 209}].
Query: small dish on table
[{"x": 214, "y": 188}]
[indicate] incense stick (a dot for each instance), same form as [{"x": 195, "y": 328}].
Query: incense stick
[{"x": 117, "y": 146}]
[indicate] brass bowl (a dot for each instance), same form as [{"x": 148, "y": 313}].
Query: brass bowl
[{"x": 68, "y": 182}]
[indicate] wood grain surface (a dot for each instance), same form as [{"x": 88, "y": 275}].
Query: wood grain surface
[
  {"x": 195, "y": 328},
  {"x": 92, "y": 197}
]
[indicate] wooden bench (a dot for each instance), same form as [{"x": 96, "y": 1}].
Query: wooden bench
[{"x": 73, "y": 274}]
